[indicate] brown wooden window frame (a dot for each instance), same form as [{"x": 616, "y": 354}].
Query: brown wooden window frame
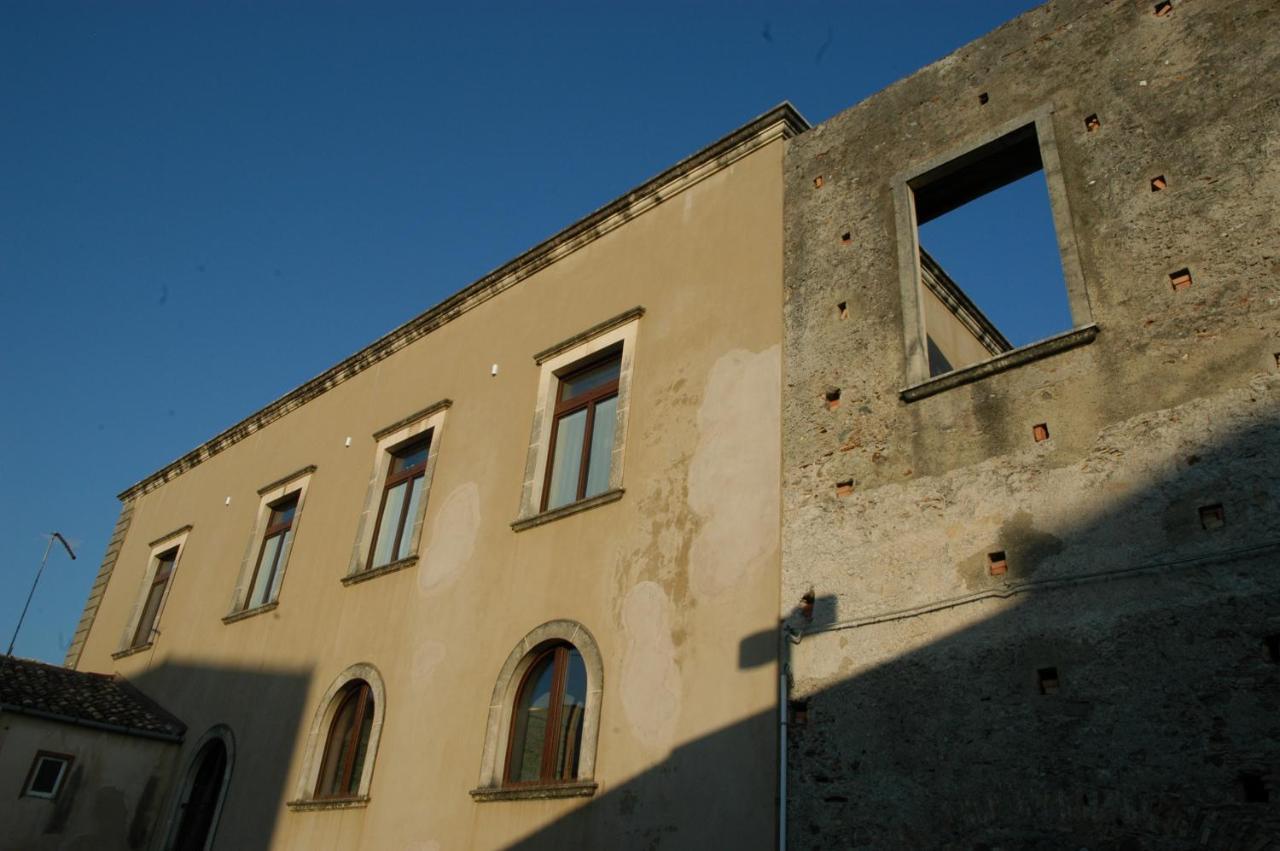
[
  {"x": 166, "y": 562},
  {"x": 550, "y": 743},
  {"x": 394, "y": 478},
  {"x": 361, "y": 691},
  {"x": 65, "y": 758},
  {"x": 273, "y": 530},
  {"x": 567, "y": 407}
]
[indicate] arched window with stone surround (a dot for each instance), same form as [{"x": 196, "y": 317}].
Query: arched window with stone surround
[
  {"x": 544, "y": 717},
  {"x": 337, "y": 762}
]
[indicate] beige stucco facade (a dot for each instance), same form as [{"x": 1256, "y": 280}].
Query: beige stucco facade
[{"x": 674, "y": 575}]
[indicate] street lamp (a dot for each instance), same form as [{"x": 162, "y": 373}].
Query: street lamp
[{"x": 32, "y": 592}]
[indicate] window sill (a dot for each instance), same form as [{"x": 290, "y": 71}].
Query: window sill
[
  {"x": 248, "y": 613},
  {"x": 1074, "y": 338},
  {"x": 308, "y": 804},
  {"x": 533, "y": 793},
  {"x": 120, "y": 654},
  {"x": 522, "y": 523},
  {"x": 381, "y": 570}
]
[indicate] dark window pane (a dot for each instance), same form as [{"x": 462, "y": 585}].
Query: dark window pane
[
  {"x": 282, "y": 512},
  {"x": 601, "y": 454},
  {"x": 46, "y": 777},
  {"x": 590, "y": 378},
  {"x": 150, "y": 609},
  {"x": 412, "y": 455},
  {"x": 530, "y": 730},
  {"x": 573, "y": 706},
  {"x": 362, "y": 747},
  {"x": 389, "y": 525}
]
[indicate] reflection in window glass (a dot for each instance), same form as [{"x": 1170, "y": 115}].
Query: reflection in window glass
[
  {"x": 566, "y": 462},
  {"x": 546, "y": 726}
]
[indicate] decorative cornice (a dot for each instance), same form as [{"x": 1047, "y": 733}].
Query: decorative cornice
[
  {"x": 284, "y": 480},
  {"x": 781, "y": 122},
  {"x": 527, "y": 793},
  {"x": 589, "y": 334},
  {"x": 442, "y": 405},
  {"x": 175, "y": 533}
]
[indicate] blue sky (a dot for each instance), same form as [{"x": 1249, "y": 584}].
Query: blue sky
[{"x": 184, "y": 188}]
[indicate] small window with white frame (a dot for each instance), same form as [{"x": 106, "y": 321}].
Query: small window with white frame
[
  {"x": 267, "y": 555},
  {"x": 48, "y": 772},
  {"x": 395, "y": 505},
  {"x": 580, "y": 422},
  {"x": 162, "y": 567}
]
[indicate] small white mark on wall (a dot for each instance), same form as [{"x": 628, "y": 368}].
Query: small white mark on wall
[
  {"x": 426, "y": 658},
  {"x": 651, "y": 690},
  {"x": 452, "y": 538}
]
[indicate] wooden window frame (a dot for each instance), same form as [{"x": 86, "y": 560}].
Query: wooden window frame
[
  {"x": 417, "y": 471},
  {"x": 361, "y": 691},
  {"x": 272, "y": 531},
  {"x": 159, "y": 587},
  {"x": 565, "y": 407},
  {"x": 65, "y": 758},
  {"x": 550, "y": 744}
]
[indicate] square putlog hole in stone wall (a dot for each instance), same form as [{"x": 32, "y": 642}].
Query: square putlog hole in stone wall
[
  {"x": 1253, "y": 787},
  {"x": 1092, "y": 123},
  {"x": 1164, "y": 7},
  {"x": 842, "y": 310},
  {"x": 1271, "y": 649},
  {"x": 844, "y": 488},
  {"x": 798, "y": 710},
  {"x": 997, "y": 563},
  {"x": 1040, "y": 431},
  {"x": 832, "y": 397},
  {"x": 1158, "y": 183},
  {"x": 1048, "y": 680},
  {"x": 1213, "y": 516},
  {"x": 1181, "y": 279}
]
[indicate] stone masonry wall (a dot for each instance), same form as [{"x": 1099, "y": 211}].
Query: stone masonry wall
[{"x": 1118, "y": 685}]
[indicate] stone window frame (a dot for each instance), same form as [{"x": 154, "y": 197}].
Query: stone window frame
[
  {"x": 65, "y": 759},
  {"x": 313, "y": 752},
  {"x": 1083, "y": 330},
  {"x": 502, "y": 706},
  {"x": 554, "y": 362},
  {"x": 175, "y": 540},
  {"x": 296, "y": 482},
  {"x": 430, "y": 419},
  {"x": 222, "y": 733}
]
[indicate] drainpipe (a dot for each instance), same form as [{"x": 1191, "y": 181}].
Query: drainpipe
[{"x": 785, "y": 637}]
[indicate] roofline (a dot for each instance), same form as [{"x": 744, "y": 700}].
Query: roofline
[
  {"x": 781, "y": 122},
  {"x": 95, "y": 725}
]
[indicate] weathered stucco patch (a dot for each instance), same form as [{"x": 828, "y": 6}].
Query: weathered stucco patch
[
  {"x": 427, "y": 656},
  {"x": 453, "y": 537},
  {"x": 650, "y": 690},
  {"x": 738, "y": 502}
]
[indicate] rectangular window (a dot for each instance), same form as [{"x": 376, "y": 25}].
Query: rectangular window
[
  {"x": 988, "y": 263},
  {"x": 401, "y": 498},
  {"x": 155, "y": 596},
  {"x": 48, "y": 770},
  {"x": 582, "y": 432},
  {"x": 265, "y": 584}
]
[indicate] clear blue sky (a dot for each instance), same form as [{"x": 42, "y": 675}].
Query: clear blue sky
[{"x": 183, "y": 187}]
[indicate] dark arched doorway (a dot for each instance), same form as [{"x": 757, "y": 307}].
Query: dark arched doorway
[{"x": 201, "y": 798}]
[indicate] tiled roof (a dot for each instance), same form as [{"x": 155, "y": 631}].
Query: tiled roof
[{"x": 78, "y": 697}]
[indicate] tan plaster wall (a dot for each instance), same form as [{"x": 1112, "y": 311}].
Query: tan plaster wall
[
  {"x": 109, "y": 800},
  {"x": 953, "y": 339},
  {"x": 670, "y": 579}
]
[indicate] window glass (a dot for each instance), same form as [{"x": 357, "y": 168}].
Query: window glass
[
  {"x": 263, "y": 579},
  {"x": 530, "y": 733},
  {"x": 389, "y": 527},
  {"x": 413, "y": 455},
  {"x": 572, "y": 707},
  {"x": 347, "y": 744},
  {"x": 406, "y": 535},
  {"x": 566, "y": 461},
  {"x": 48, "y": 773},
  {"x": 606, "y": 417},
  {"x": 155, "y": 594},
  {"x": 589, "y": 379}
]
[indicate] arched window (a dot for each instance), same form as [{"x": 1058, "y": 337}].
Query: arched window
[
  {"x": 544, "y": 718},
  {"x": 347, "y": 743},
  {"x": 546, "y": 724},
  {"x": 342, "y": 744},
  {"x": 202, "y": 793}
]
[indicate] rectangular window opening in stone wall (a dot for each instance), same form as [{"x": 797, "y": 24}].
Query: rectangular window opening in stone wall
[{"x": 988, "y": 260}]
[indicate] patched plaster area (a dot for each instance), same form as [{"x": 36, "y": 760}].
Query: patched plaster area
[
  {"x": 737, "y": 502},
  {"x": 650, "y": 690},
  {"x": 453, "y": 538}
]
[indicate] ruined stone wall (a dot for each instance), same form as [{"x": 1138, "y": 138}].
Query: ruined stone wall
[{"x": 1118, "y": 684}]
